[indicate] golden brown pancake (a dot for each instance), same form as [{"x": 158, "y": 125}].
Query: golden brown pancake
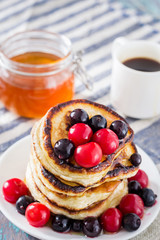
[
  {"x": 76, "y": 202},
  {"x": 119, "y": 189}
]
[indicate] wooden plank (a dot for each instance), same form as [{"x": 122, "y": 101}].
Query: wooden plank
[{"x": 8, "y": 231}]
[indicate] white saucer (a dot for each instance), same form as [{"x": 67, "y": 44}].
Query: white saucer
[{"x": 13, "y": 164}]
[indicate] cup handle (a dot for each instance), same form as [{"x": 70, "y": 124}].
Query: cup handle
[{"x": 118, "y": 42}]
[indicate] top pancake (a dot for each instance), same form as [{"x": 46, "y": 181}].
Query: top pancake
[{"x": 54, "y": 126}]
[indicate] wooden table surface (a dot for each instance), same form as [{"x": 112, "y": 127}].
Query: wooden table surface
[{"x": 9, "y": 231}]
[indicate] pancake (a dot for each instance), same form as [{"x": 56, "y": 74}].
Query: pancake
[
  {"x": 119, "y": 189},
  {"x": 54, "y": 126},
  {"x": 76, "y": 202},
  {"x": 120, "y": 169}
]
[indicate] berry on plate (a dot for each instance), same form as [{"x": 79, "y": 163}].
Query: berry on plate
[
  {"x": 61, "y": 223},
  {"x": 91, "y": 227},
  {"x": 76, "y": 225},
  {"x": 131, "y": 222},
  {"x": 22, "y": 203},
  {"x": 140, "y": 177},
  {"x": 80, "y": 133},
  {"x": 148, "y": 196},
  {"x": 132, "y": 203},
  {"x": 111, "y": 220},
  {"x": 37, "y": 214},
  {"x": 13, "y": 189},
  {"x": 134, "y": 187},
  {"x": 88, "y": 155},
  {"x": 107, "y": 140}
]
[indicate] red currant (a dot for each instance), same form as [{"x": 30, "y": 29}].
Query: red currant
[
  {"x": 140, "y": 177},
  {"x": 132, "y": 203},
  {"x": 111, "y": 220},
  {"x": 88, "y": 155},
  {"x": 80, "y": 133},
  {"x": 37, "y": 214},
  {"x": 107, "y": 140},
  {"x": 13, "y": 189}
]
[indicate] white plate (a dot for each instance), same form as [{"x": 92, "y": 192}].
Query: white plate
[{"x": 13, "y": 164}]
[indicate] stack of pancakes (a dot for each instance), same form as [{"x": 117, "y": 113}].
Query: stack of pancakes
[{"x": 63, "y": 186}]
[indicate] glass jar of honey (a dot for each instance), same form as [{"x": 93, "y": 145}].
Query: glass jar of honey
[{"x": 37, "y": 71}]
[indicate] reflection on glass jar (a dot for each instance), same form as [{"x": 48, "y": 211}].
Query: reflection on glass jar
[{"x": 36, "y": 72}]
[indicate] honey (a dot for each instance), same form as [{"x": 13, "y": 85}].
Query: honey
[
  {"x": 36, "y": 58},
  {"x": 31, "y": 94}
]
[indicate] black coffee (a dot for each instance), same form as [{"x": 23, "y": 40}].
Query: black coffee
[{"x": 143, "y": 64}]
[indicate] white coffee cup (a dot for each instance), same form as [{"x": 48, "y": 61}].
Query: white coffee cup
[{"x": 135, "y": 93}]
